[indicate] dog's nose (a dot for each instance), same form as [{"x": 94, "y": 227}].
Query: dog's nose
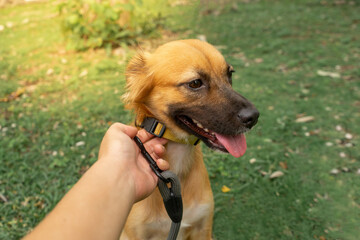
[{"x": 249, "y": 116}]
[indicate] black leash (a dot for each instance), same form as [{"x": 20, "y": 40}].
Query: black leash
[{"x": 171, "y": 195}]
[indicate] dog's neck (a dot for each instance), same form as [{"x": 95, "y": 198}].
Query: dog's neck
[
  {"x": 180, "y": 157},
  {"x": 180, "y": 153}
]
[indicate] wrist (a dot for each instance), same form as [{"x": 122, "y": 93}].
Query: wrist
[{"x": 119, "y": 178}]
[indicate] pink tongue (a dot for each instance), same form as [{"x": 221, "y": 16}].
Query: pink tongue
[{"x": 236, "y": 145}]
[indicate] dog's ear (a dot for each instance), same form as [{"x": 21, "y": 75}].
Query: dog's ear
[{"x": 138, "y": 83}]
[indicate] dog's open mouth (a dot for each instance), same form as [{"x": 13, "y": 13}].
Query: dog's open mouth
[{"x": 235, "y": 145}]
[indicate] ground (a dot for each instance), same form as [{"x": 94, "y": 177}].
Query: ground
[{"x": 297, "y": 61}]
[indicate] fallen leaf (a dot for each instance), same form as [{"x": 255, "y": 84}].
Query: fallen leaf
[
  {"x": 9, "y": 24},
  {"x": 201, "y": 37},
  {"x": 252, "y": 161},
  {"x": 328, "y": 74},
  {"x": 79, "y": 144},
  {"x": 334, "y": 171},
  {"x": 305, "y": 119},
  {"x": 283, "y": 165},
  {"x": 348, "y": 136},
  {"x": 83, "y": 73},
  {"x": 258, "y": 60},
  {"x": 338, "y": 128},
  {"x": 276, "y": 174},
  {"x": 329, "y": 144},
  {"x": 4, "y": 199},
  {"x": 40, "y": 204},
  {"x": 13, "y": 95},
  {"x": 342, "y": 154},
  {"x": 225, "y": 189},
  {"x": 26, "y": 201},
  {"x": 49, "y": 71}
]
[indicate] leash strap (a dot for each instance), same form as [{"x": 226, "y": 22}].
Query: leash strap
[
  {"x": 171, "y": 195},
  {"x": 172, "y": 201}
]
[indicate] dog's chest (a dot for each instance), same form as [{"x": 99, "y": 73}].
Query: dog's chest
[{"x": 180, "y": 157}]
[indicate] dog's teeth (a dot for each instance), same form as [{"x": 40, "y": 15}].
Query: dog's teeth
[
  {"x": 199, "y": 125},
  {"x": 195, "y": 121},
  {"x": 206, "y": 130}
]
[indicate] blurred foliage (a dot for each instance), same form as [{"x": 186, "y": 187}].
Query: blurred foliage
[{"x": 93, "y": 24}]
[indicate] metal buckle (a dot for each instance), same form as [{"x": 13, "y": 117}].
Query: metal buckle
[{"x": 150, "y": 125}]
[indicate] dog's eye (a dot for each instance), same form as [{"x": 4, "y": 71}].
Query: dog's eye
[{"x": 195, "y": 84}]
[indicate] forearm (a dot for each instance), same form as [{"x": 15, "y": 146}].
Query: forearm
[{"x": 95, "y": 208}]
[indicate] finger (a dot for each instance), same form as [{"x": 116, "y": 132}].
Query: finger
[
  {"x": 152, "y": 152},
  {"x": 162, "y": 164},
  {"x": 159, "y": 150},
  {"x": 155, "y": 146},
  {"x": 128, "y": 130},
  {"x": 144, "y": 135},
  {"x": 156, "y": 141}
]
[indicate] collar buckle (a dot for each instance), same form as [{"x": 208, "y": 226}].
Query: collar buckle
[{"x": 153, "y": 126}]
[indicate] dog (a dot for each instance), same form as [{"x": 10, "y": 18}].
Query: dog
[{"x": 186, "y": 85}]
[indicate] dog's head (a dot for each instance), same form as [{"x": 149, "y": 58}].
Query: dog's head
[{"x": 187, "y": 86}]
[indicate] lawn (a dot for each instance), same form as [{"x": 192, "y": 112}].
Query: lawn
[{"x": 297, "y": 61}]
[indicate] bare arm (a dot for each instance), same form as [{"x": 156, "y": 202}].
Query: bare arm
[{"x": 99, "y": 203}]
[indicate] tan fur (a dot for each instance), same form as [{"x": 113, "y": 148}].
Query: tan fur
[{"x": 152, "y": 85}]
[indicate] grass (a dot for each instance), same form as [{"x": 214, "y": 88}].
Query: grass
[{"x": 50, "y": 134}]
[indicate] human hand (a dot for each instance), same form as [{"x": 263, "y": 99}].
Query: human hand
[{"x": 118, "y": 147}]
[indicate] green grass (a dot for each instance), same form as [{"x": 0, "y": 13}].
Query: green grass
[{"x": 276, "y": 48}]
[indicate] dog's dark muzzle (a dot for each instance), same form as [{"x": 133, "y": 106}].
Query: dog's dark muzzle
[{"x": 248, "y": 116}]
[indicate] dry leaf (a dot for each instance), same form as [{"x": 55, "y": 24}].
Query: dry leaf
[
  {"x": 334, "y": 171},
  {"x": 26, "y": 201},
  {"x": 9, "y": 24},
  {"x": 202, "y": 38},
  {"x": 79, "y": 144},
  {"x": 50, "y": 71},
  {"x": 13, "y": 95},
  {"x": 252, "y": 161},
  {"x": 276, "y": 174},
  {"x": 283, "y": 165},
  {"x": 225, "y": 189},
  {"x": 3, "y": 198},
  {"x": 348, "y": 136},
  {"x": 328, "y": 74},
  {"x": 83, "y": 73},
  {"x": 305, "y": 119},
  {"x": 40, "y": 204}
]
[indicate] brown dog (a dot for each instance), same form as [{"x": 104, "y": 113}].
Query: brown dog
[{"x": 186, "y": 85}]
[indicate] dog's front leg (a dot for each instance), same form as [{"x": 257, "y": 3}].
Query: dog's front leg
[{"x": 204, "y": 230}]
